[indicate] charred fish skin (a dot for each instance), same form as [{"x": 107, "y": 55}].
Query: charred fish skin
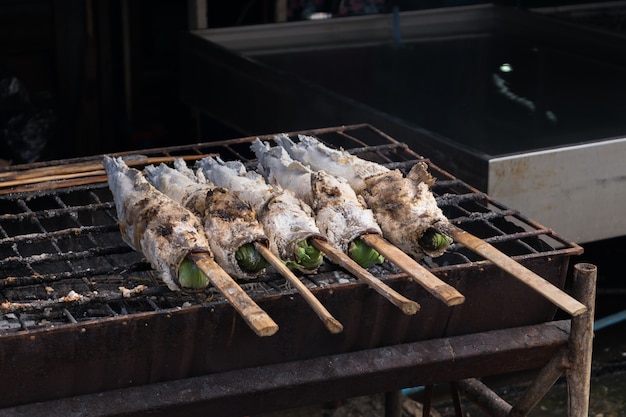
[
  {"x": 233, "y": 223},
  {"x": 339, "y": 214},
  {"x": 229, "y": 223},
  {"x": 404, "y": 207},
  {"x": 152, "y": 223},
  {"x": 405, "y": 210},
  {"x": 287, "y": 220},
  {"x": 343, "y": 215}
]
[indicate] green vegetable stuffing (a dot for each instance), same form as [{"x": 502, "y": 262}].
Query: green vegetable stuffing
[
  {"x": 249, "y": 259},
  {"x": 307, "y": 256},
  {"x": 191, "y": 277},
  {"x": 433, "y": 241},
  {"x": 364, "y": 255}
]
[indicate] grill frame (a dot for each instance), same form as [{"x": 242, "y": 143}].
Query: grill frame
[{"x": 76, "y": 355}]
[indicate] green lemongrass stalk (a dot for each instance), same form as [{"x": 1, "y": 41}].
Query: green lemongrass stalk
[
  {"x": 249, "y": 259},
  {"x": 363, "y": 254},
  {"x": 191, "y": 277}
]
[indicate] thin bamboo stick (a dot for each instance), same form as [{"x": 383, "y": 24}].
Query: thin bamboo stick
[
  {"x": 51, "y": 177},
  {"x": 338, "y": 257},
  {"x": 53, "y": 185},
  {"x": 253, "y": 315},
  {"x": 534, "y": 281},
  {"x": 78, "y": 170},
  {"x": 68, "y": 168},
  {"x": 446, "y": 293},
  {"x": 332, "y": 324}
]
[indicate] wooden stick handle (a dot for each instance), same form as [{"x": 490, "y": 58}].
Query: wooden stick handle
[
  {"x": 332, "y": 324},
  {"x": 446, "y": 293},
  {"x": 407, "y": 306},
  {"x": 528, "y": 277},
  {"x": 253, "y": 315}
]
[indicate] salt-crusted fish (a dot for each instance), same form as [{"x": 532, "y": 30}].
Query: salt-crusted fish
[
  {"x": 404, "y": 207},
  {"x": 287, "y": 220},
  {"x": 339, "y": 213},
  {"x": 152, "y": 223},
  {"x": 230, "y": 224}
]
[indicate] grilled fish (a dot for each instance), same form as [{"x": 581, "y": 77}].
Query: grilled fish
[
  {"x": 230, "y": 224},
  {"x": 339, "y": 213},
  {"x": 152, "y": 223},
  {"x": 404, "y": 207},
  {"x": 287, "y": 220}
]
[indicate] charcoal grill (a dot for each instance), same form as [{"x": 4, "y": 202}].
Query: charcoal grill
[{"x": 82, "y": 313}]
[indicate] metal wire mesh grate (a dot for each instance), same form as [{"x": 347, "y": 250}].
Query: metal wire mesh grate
[{"x": 63, "y": 261}]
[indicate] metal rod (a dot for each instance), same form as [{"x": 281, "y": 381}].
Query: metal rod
[
  {"x": 393, "y": 403},
  {"x": 484, "y": 397},
  {"x": 428, "y": 400},
  {"x": 456, "y": 400},
  {"x": 291, "y": 384},
  {"x": 581, "y": 342},
  {"x": 540, "y": 386}
]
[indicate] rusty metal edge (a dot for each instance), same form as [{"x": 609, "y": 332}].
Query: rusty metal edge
[{"x": 299, "y": 383}]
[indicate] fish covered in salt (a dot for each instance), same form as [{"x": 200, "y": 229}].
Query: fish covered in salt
[
  {"x": 230, "y": 224},
  {"x": 403, "y": 206},
  {"x": 152, "y": 223},
  {"x": 287, "y": 220},
  {"x": 340, "y": 214}
]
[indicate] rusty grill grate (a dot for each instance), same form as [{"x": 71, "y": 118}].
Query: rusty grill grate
[{"x": 62, "y": 259}]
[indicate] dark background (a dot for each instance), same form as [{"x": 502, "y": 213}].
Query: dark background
[{"x": 107, "y": 70}]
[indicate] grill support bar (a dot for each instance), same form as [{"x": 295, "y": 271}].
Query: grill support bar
[
  {"x": 293, "y": 384},
  {"x": 558, "y": 346}
]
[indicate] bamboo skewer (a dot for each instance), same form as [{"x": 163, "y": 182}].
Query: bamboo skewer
[
  {"x": 52, "y": 177},
  {"x": 53, "y": 185},
  {"x": 332, "y": 324},
  {"x": 338, "y": 257},
  {"x": 534, "y": 281},
  {"x": 253, "y": 315},
  {"x": 132, "y": 160},
  {"x": 75, "y": 174},
  {"x": 446, "y": 293}
]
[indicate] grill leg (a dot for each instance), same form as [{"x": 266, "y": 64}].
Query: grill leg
[
  {"x": 428, "y": 400},
  {"x": 456, "y": 399},
  {"x": 393, "y": 405},
  {"x": 581, "y": 342}
]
